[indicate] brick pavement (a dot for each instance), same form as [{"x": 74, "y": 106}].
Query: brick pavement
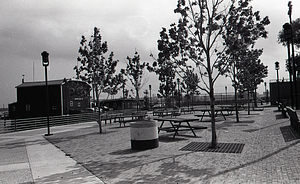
[{"x": 266, "y": 157}]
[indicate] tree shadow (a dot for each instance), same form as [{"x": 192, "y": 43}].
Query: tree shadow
[
  {"x": 169, "y": 171},
  {"x": 254, "y": 161},
  {"x": 125, "y": 152},
  {"x": 280, "y": 116},
  {"x": 257, "y": 129}
]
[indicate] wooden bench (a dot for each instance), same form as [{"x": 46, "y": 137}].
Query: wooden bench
[
  {"x": 293, "y": 118},
  {"x": 282, "y": 108}
]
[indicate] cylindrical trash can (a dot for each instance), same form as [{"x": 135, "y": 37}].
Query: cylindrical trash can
[{"x": 144, "y": 135}]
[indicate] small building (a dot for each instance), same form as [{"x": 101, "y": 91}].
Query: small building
[
  {"x": 65, "y": 97},
  {"x": 118, "y": 104},
  {"x": 281, "y": 91}
]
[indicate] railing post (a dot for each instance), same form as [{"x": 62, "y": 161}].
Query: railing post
[{"x": 15, "y": 125}]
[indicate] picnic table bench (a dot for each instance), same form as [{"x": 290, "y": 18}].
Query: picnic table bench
[
  {"x": 167, "y": 112},
  {"x": 176, "y": 125},
  {"x": 294, "y": 120}
]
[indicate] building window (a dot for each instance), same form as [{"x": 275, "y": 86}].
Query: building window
[
  {"x": 79, "y": 104},
  {"x": 71, "y": 103},
  {"x": 27, "y": 107}
]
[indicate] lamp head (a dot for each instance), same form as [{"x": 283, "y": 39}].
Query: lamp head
[
  {"x": 45, "y": 58},
  {"x": 277, "y": 65}
]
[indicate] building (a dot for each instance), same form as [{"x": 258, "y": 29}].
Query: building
[
  {"x": 65, "y": 97},
  {"x": 281, "y": 91},
  {"x": 118, "y": 104}
]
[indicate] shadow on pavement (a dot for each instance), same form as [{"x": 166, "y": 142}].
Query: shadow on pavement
[
  {"x": 289, "y": 134},
  {"x": 254, "y": 161},
  {"x": 257, "y": 129}
]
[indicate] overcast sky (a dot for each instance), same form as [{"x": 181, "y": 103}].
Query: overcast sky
[{"x": 28, "y": 27}]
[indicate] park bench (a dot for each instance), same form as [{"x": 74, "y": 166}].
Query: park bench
[
  {"x": 282, "y": 108},
  {"x": 293, "y": 118}
]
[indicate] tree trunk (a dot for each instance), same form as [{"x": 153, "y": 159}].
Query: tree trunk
[
  {"x": 236, "y": 105},
  {"x": 99, "y": 111},
  {"x": 213, "y": 120},
  {"x": 214, "y": 143},
  {"x": 99, "y": 119},
  {"x": 248, "y": 101},
  {"x": 235, "y": 96},
  {"x": 137, "y": 99}
]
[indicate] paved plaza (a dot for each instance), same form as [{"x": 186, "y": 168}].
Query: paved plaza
[{"x": 79, "y": 154}]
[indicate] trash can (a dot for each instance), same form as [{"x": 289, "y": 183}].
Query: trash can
[{"x": 144, "y": 135}]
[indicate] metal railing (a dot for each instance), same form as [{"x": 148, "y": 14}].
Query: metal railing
[{"x": 15, "y": 125}]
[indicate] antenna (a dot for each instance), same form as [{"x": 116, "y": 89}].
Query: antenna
[{"x": 33, "y": 71}]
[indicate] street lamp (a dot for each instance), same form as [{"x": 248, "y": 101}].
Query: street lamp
[
  {"x": 226, "y": 95},
  {"x": 278, "y": 88},
  {"x": 45, "y": 62},
  {"x": 287, "y": 28},
  {"x": 150, "y": 95}
]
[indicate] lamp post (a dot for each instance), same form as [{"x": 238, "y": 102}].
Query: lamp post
[
  {"x": 278, "y": 88},
  {"x": 287, "y": 28},
  {"x": 226, "y": 95},
  {"x": 45, "y": 62},
  {"x": 150, "y": 96}
]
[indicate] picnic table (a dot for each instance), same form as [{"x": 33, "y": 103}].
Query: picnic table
[
  {"x": 177, "y": 125},
  {"x": 166, "y": 112},
  {"x": 109, "y": 117},
  {"x": 129, "y": 118},
  {"x": 189, "y": 110},
  {"x": 217, "y": 111}
]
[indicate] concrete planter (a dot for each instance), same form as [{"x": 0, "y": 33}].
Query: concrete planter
[{"x": 144, "y": 135}]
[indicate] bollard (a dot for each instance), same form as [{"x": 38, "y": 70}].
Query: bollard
[{"x": 144, "y": 135}]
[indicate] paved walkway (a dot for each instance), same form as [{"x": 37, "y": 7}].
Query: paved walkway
[
  {"x": 26, "y": 157},
  {"x": 270, "y": 155}
]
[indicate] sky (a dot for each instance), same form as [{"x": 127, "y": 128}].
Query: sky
[{"x": 28, "y": 27}]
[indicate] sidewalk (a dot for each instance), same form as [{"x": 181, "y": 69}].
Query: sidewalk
[
  {"x": 270, "y": 154},
  {"x": 26, "y": 157}
]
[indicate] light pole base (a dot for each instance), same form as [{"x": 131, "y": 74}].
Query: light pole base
[{"x": 48, "y": 134}]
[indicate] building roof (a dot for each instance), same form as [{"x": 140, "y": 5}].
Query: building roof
[{"x": 40, "y": 83}]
